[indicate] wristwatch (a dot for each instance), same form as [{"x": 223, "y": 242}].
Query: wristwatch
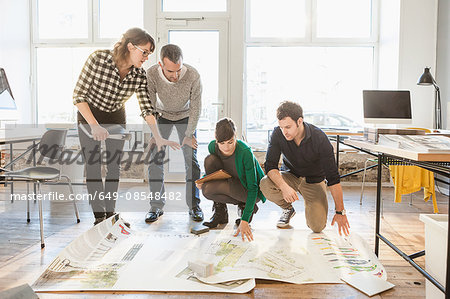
[{"x": 343, "y": 212}]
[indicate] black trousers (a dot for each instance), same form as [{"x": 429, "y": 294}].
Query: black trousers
[
  {"x": 102, "y": 196},
  {"x": 222, "y": 191}
]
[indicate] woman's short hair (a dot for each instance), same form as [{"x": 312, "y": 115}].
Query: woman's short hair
[
  {"x": 225, "y": 129},
  {"x": 289, "y": 109},
  {"x": 136, "y": 36}
]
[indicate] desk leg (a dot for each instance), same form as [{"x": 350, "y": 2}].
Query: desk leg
[
  {"x": 447, "y": 280},
  {"x": 34, "y": 164},
  {"x": 11, "y": 158},
  {"x": 378, "y": 208},
  {"x": 337, "y": 151}
]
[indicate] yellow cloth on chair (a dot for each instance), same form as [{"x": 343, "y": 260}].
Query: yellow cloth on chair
[{"x": 408, "y": 179}]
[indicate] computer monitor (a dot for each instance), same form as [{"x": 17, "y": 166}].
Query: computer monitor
[
  {"x": 8, "y": 108},
  {"x": 387, "y": 106}
]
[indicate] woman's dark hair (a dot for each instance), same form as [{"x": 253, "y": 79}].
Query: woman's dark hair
[
  {"x": 225, "y": 129},
  {"x": 136, "y": 36},
  {"x": 289, "y": 109}
]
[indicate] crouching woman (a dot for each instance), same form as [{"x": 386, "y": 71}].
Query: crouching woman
[{"x": 242, "y": 189}]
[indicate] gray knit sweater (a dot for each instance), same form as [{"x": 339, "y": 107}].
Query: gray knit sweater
[{"x": 177, "y": 100}]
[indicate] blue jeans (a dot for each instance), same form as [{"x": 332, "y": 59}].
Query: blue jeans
[{"x": 156, "y": 170}]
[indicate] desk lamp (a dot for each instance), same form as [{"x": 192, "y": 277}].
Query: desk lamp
[{"x": 427, "y": 79}]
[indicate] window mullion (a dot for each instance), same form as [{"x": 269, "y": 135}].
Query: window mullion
[
  {"x": 374, "y": 37},
  {"x": 94, "y": 21},
  {"x": 312, "y": 19}
]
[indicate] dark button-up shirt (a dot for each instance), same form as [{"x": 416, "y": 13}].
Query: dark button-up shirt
[{"x": 312, "y": 159}]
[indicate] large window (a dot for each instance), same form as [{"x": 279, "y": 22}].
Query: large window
[
  {"x": 55, "y": 84},
  {"x": 61, "y": 19},
  {"x": 319, "y": 53},
  {"x": 344, "y": 18},
  {"x": 280, "y": 19},
  {"x": 66, "y": 32}
]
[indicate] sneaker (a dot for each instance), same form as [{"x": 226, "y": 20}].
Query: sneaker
[{"x": 286, "y": 217}]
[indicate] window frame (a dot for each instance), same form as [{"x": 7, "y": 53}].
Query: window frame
[
  {"x": 258, "y": 40},
  {"x": 43, "y": 41},
  {"x": 93, "y": 41},
  {"x": 175, "y": 15},
  {"x": 373, "y": 38},
  {"x": 310, "y": 29},
  {"x": 311, "y": 41}
]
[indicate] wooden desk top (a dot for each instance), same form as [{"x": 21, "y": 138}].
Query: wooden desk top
[{"x": 416, "y": 156}]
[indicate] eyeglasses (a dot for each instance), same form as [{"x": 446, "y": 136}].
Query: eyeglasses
[{"x": 145, "y": 53}]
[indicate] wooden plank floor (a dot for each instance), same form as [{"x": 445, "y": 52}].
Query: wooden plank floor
[{"x": 22, "y": 260}]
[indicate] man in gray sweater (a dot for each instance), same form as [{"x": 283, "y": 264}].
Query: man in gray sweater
[{"x": 175, "y": 90}]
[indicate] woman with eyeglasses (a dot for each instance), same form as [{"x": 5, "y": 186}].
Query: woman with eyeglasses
[
  {"x": 242, "y": 189},
  {"x": 108, "y": 79}
]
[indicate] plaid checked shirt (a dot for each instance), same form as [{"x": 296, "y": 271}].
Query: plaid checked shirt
[{"x": 99, "y": 85}]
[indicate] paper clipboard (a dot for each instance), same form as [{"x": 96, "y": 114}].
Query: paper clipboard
[{"x": 217, "y": 175}]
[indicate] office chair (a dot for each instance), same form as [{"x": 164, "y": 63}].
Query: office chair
[{"x": 51, "y": 146}]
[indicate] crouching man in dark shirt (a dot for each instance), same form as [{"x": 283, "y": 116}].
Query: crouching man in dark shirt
[{"x": 309, "y": 159}]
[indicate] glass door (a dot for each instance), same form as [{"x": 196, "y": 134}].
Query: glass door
[{"x": 204, "y": 46}]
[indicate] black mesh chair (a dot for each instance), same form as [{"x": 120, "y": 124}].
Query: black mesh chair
[{"x": 51, "y": 146}]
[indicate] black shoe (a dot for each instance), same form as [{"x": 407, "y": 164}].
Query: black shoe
[
  {"x": 196, "y": 214},
  {"x": 241, "y": 208},
  {"x": 220, "y": 215},
  {"x": 109, "y": 214},
  {"x": 153, "y": 215}
]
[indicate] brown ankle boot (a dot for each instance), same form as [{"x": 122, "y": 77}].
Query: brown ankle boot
[{"x": 220, "y": 215}]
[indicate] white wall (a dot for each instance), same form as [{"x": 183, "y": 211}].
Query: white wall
[
  {"x": 417, "y": 50},
  {"x": 443, "y": 59},
  {"x": 15, "y": 53},
  {"x": 407, "y": 45}
]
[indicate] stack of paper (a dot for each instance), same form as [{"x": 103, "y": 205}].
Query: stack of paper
[{"x": 417, "y": 143}]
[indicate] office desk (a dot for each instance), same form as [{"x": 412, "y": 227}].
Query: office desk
[
  {"x": 338, "y": 134},
  {"x": 18, "y": 136},
  {"x": 436, "y": 162}
]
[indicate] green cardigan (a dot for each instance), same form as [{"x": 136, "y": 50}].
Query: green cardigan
[{"x": 250, "y": 174}]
